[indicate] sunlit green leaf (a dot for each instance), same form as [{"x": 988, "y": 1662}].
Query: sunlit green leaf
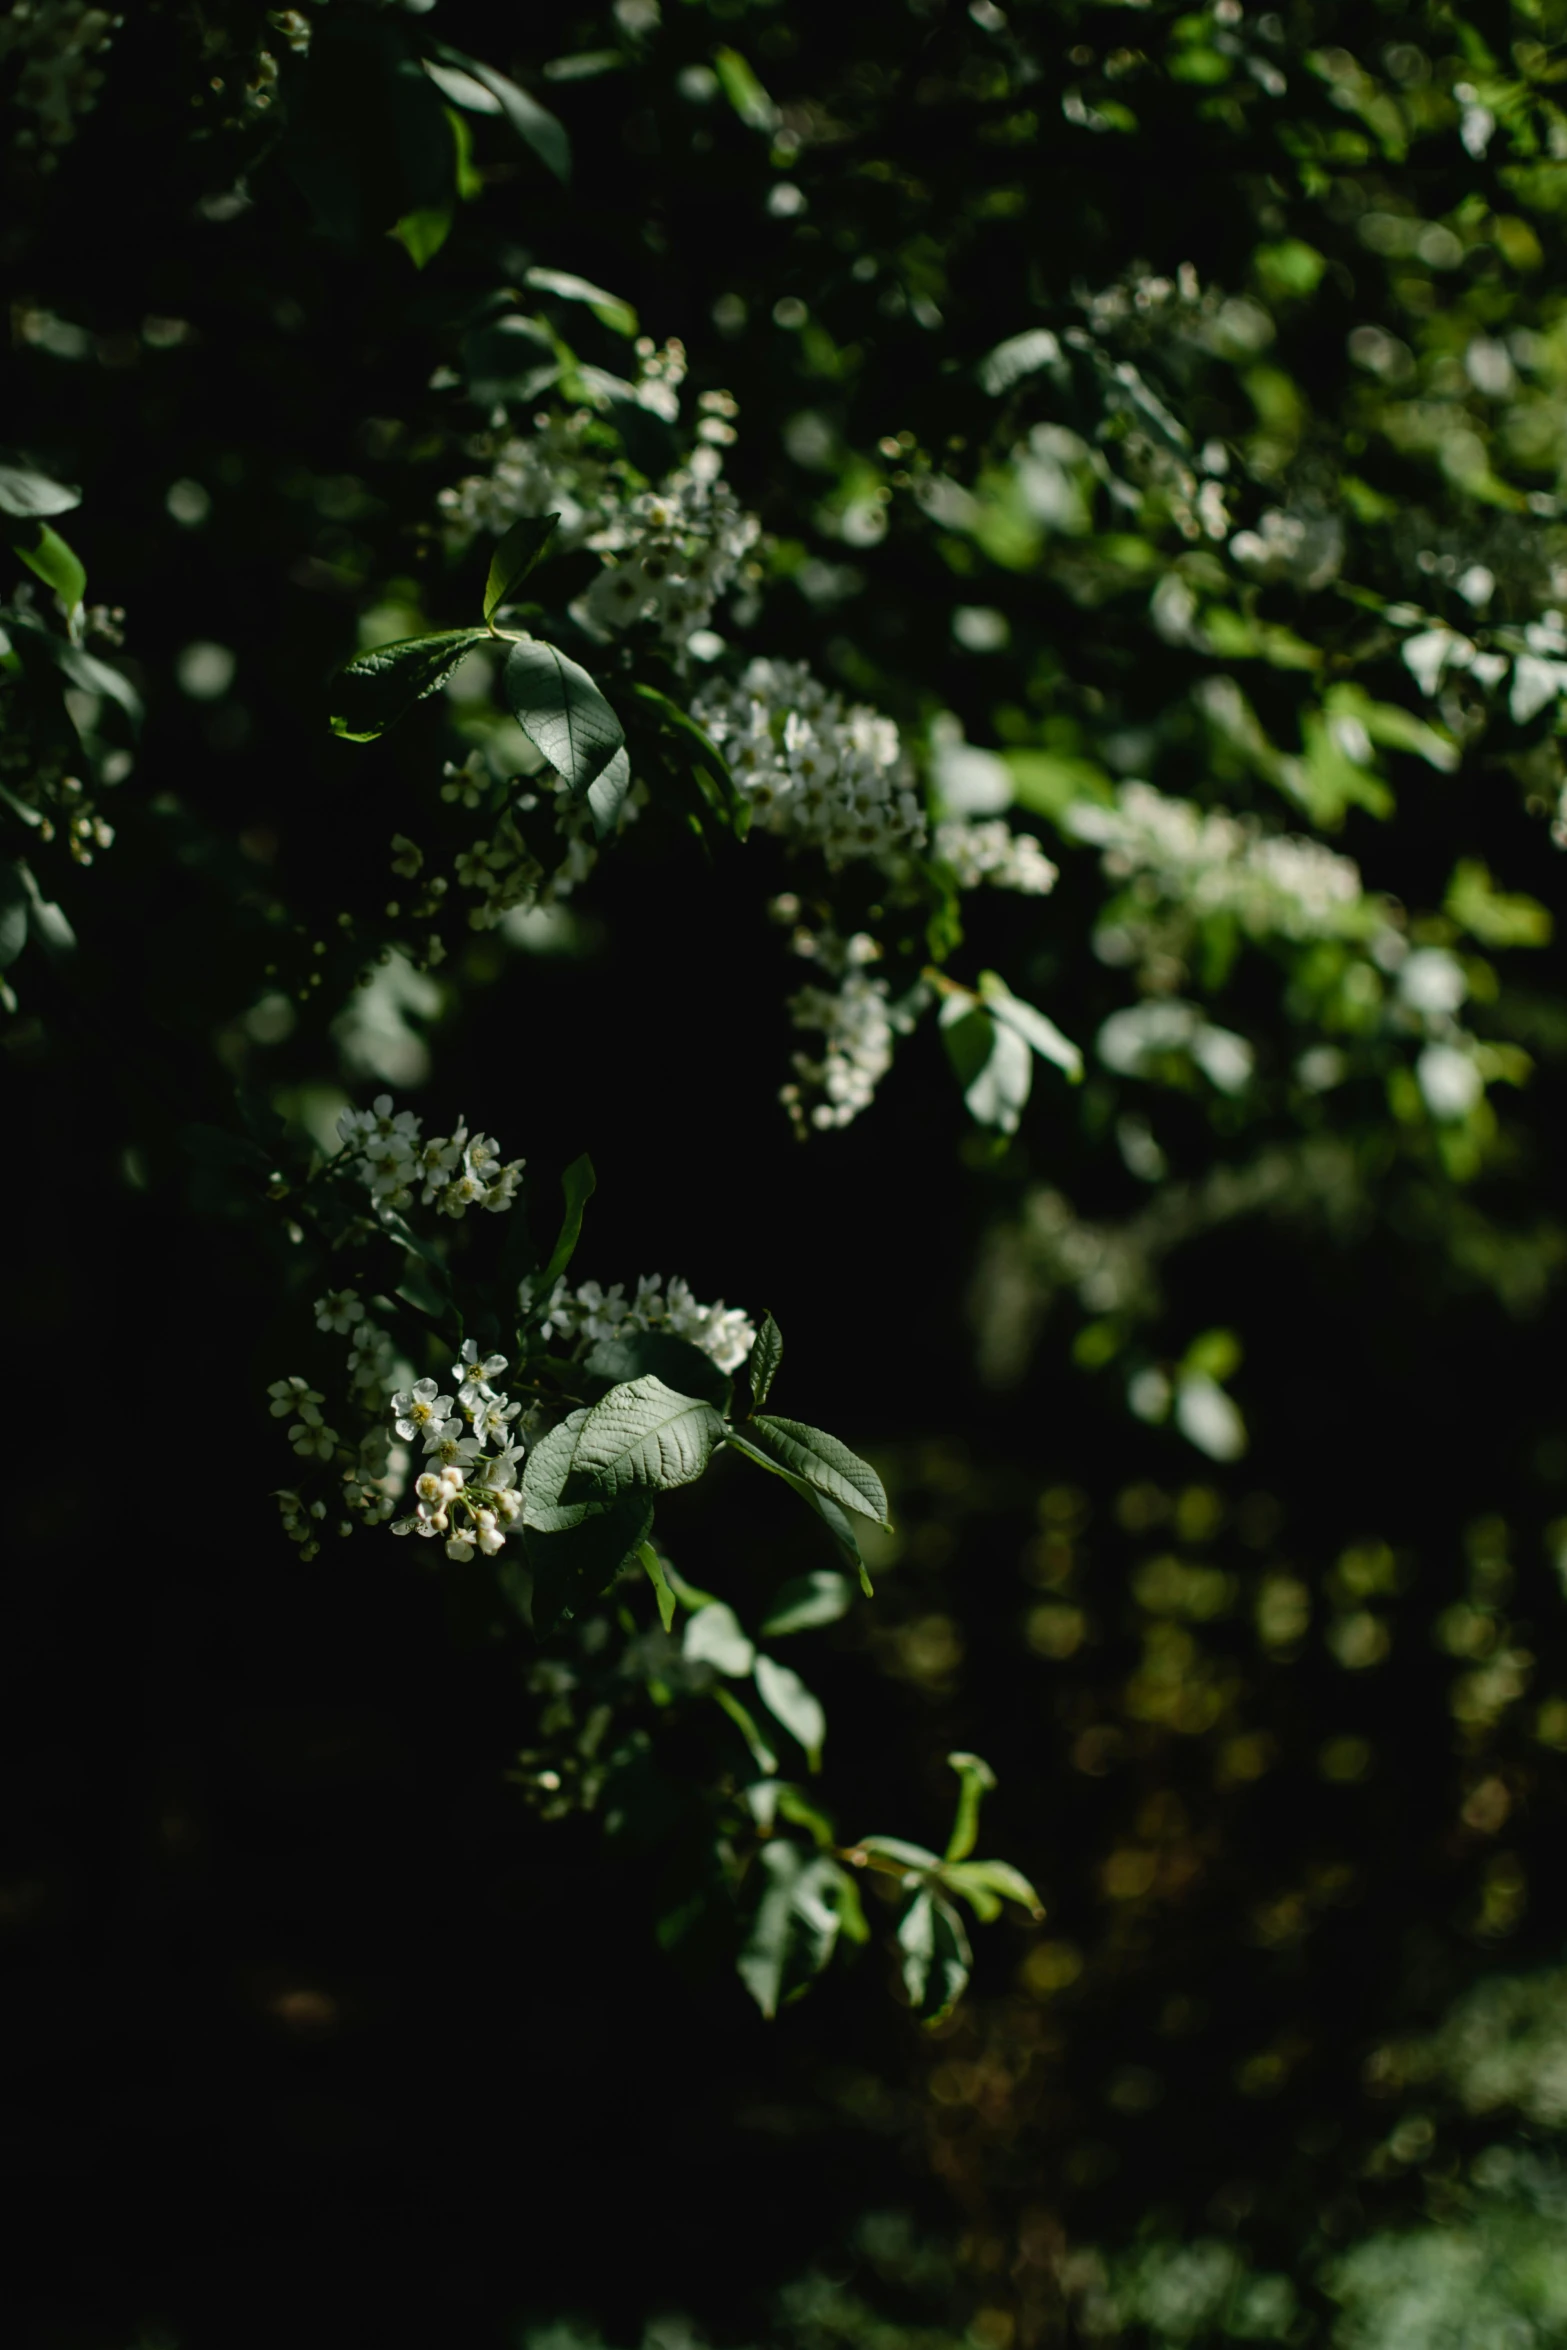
[
  {"x": 643, "y": 1433},
  {"x": 822, "y": 1461},
  {"x": 375, "y": 689},
  {"x": 562, "y": 712},
  {"x": 789, "y": 1701}
]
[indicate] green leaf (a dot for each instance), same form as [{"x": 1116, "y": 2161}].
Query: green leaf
[
  {"x": 607, "y": 794},
  {"x": 905, "y": 1856},
  {"x": 985, "y": 1884},
  {"x": 375, "y": 689},
  {"x": 975, "y": 1780},
  {"x": 824, "y": 1463},
  {"x": 1045, "y": 1037},
  {"x": 713, "y": 1637},
  {"x": 992, "y": 1062},
  {"x": 841, "y": 1528},
  {"x": 608, "y": 309},
  {"x": 681, "y": 722},
  {"x": 515, "y": 556},
  {"x": 544, "y": 1476},
  {"x": 534, "y": 124},
  {"x": 13, "y": 914},
  {"x": 27, "y": 493},
  {"x": 422, "y": 234},
  {"x": 789, "y": 1701},
  {"x": 936, "y": 1956},
  {"x": 644, "y": 1433},
  {"x": 578, "y": 1185},
  {"x": 766, "y": 1355},
  {"x": 1495, "y": 917},
  {"x": 573, "y": 1565},
  {"x": 674, "y": 1360},
  {"x": 794, "y": 1804},
  {"x": 576, "y": 1542},
  {"x": 660, "y": 1582},
  {"x": 57, "y": 565},
  {"x": 761, "y": 1753},
  {"x": 743, "y": 91},
  {"x": 795, "y": 1929},
  {"x": 807, "y": 1602},
  {"x": 562, "y": 712}
]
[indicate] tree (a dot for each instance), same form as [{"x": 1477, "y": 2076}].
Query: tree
[{"x": 1078, "y": 545}]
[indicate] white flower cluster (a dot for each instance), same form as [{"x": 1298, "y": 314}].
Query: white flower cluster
[
  {"x": 58, "y": 42},
  {"x": 568, "y": 465},
  {"x": 590, "y": 1313},
  {"x": 672, "y": 552},
  {"x": 453, "y": 1172},
  {"x": 464, "y": 1492},
  {"x": 992, "y": 852},
  {"x": 821, "y": 772},
  {"x": 1207, "y": 862},
  {"x": 858, "y": 1024}
]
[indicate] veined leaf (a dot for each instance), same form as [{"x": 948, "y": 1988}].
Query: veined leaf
[
  {"x": 515, "y": 555},
  {"x": 789, "y": 1701},
  {"x": 544, "y": 1476},
  {"x": 607, "y": 794},
  {"x": 562, "y": 712},
  {"x": 643, "y": 1433},
  {"x": 824, "y": 1463},
  {"x": 375, "y": 689},
  {"x": 766, "y": 1355}
]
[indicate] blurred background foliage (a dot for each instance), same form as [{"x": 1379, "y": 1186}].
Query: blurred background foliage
[{"x": 1159, "y": 414}]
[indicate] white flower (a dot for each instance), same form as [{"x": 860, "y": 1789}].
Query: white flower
[
  {"x": 493, "y": 1420},
  {"x": 435, "y": 1160},
  {"x": 311, "y": 1440},
  {"x": 459, "y": 1548},
  {"x": 499, "y": 1472},
  {"x": 420, "y": 1408},
  {"x": 450, "y": 1443},
  {"x": 472, "y": 1373},
  {"x": 339, "y": 1310}
]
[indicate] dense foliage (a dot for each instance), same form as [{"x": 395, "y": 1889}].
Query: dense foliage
[{"x": 923, "y": 652}]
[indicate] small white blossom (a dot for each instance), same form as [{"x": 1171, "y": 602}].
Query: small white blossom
[
  {"x": 339, "y": 1310},
  {"x": 418, "y": 1409}
]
